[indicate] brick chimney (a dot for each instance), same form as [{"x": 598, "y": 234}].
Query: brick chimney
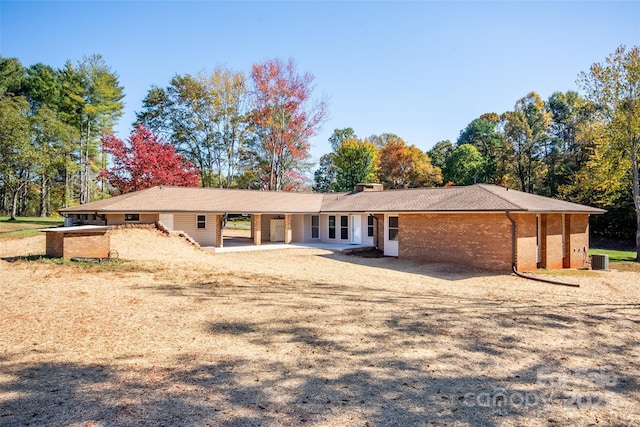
[{"x": 368, "y": 187}]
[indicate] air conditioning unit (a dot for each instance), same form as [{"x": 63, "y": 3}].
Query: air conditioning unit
[{"x": 599, "y": 262}]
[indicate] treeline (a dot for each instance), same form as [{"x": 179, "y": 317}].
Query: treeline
[
  {"x": 50, "y": 123},
  {"x": 582, "y": 148},
  {"x": 243, "y": 131}
]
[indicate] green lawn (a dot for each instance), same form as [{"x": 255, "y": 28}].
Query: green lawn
[
  {"x": 619, "y": 260},
  {"x": 239, "y": 224},
  {"x": 25, "y": 226},
  {"x": 615, "y": 255}
]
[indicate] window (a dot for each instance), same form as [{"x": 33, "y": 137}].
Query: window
[
  {"x": 344, "y": 227},
  {"x": 201, "y": 221},
  {"x": 132, "y": 217},
  {"x": 315, "y": 226},
  {"x": 370, "y": 225},
  {"x": 95, "y": 217},
  {"x": 332, "y": 226},
  {"x": 393, "y": 228}
]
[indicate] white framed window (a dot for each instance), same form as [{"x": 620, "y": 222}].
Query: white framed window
[
  {"x": 393, "y": 228},
  {"x": 201, "y": 222},
  {"x": 344, "y": 227},
  {"x": 370, "y": 226}
]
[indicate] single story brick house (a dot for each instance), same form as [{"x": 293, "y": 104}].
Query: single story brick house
[{"x": 484, "y": 226}]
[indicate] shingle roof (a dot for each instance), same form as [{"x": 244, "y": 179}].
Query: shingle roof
[
  {"x": 473, "y": 198},
  {"x": 196, "y": 199}
]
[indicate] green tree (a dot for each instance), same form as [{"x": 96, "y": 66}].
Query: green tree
[
  {"x": 614, "y": 86},
  {"x": 355, "y": 161},
  {"x": 17, "y": 155},
  {"x": 340, "y": 135},
  {"x": 92, "y": 104},
  {"x": 12, "y": 75},
  {"x": 525, "y": 129},
  {"x": 567, "y": 155},
  {"x": 440, "y": 152},
  {"x": 324, "y": 178},
  {"x": 464, "y": 166},
  {"x": 483, "y": 135}
]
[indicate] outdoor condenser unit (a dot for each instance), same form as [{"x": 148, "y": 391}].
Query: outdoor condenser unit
[{"x": 599, "y": 262}]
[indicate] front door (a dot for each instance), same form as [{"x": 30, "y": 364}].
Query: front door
[{"x": 356, "y": 229}]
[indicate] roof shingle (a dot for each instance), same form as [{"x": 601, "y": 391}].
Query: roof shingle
[{"x": 473, "y": 198}]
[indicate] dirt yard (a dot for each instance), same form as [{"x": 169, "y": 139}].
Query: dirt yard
[{"x": 181, "y": 337}]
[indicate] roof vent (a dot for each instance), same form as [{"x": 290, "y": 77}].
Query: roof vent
[{"x": 368, "y": 187}]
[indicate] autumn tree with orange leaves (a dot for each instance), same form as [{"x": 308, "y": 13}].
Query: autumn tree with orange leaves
[
  {"x": 285, "y": 117},
  {"x": 403, "y": 165}
]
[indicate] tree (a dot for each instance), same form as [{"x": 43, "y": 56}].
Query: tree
[
  {"x": 483, "y": 135},
  {"x": 355, "y": 161},
  {"x": 340, "y": 135},
  {"x": 464, "y": 165},
  {"x": 92, "y": 104},
  {"x": 285, "y": 118},
  {"x": 206, "y": 116},
  {"x": 614, "y": 86},
  {"x": 11, "y": 76},
  {"x": 403, "y": 165},
  {"x": 17, "y": 155},
  {"x": 52, "y": 140},
  {"x": 440, "y": 152},
  {"x": 324, "y": 178},
  {"x": 569, "y": 114},
  {"x": 144, "y": 162},
  {"x": 525, "y": 129}
]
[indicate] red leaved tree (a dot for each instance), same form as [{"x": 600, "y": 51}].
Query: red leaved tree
[
  {"x": 285, "y": 118},
  {"x": 144, "y": 162}
]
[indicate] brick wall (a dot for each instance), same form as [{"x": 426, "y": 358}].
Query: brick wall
[
  {"x": 54, "y": 245},
  {"x": 478, "y": 240},
  {"x": 69, "y": 245},
  {"x": 577, "y": 240},
  {"x": 552, "y": 241},
  {"x": 526, "y": 242},
  {"x": 87, "y": 245}
]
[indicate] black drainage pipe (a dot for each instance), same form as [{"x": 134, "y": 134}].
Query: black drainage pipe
[{"x": 539, "y": 279}]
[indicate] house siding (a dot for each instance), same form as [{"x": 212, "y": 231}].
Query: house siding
[
  {"x": 298, "y": 229},
  {"x": 187, "y": 222}
]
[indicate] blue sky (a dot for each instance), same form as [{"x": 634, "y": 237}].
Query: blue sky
[{"x": 422, "y": 70}]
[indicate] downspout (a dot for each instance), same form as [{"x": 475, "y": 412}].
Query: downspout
[
  {"x": 513, "y": 260},
  {"x": 513, "y": 240}
]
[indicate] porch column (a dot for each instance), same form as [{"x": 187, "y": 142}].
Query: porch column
[
  {"x": 287, "y": 229},
  {"x": 219, "y": 239},
  {"x": 256, "y": 229}
]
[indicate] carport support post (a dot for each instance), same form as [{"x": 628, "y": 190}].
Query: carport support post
[
  {"x": 287, "y": 229},
  {"x": 256, "y": 229}
]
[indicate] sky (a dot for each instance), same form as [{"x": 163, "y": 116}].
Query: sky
[{"x": 422, "y": 70}]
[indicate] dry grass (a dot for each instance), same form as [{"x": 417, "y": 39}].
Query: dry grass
[{"x": 182, "y": 337}]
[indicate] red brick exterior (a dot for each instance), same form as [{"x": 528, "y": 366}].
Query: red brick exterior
[
  {"x": 577, "y": 243},
  {"x": 484, "y": 240},
  {"x": 478, "y": 240},
  {"x": 526, "y": 247},
  {"x": 69, "y": 245}
]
